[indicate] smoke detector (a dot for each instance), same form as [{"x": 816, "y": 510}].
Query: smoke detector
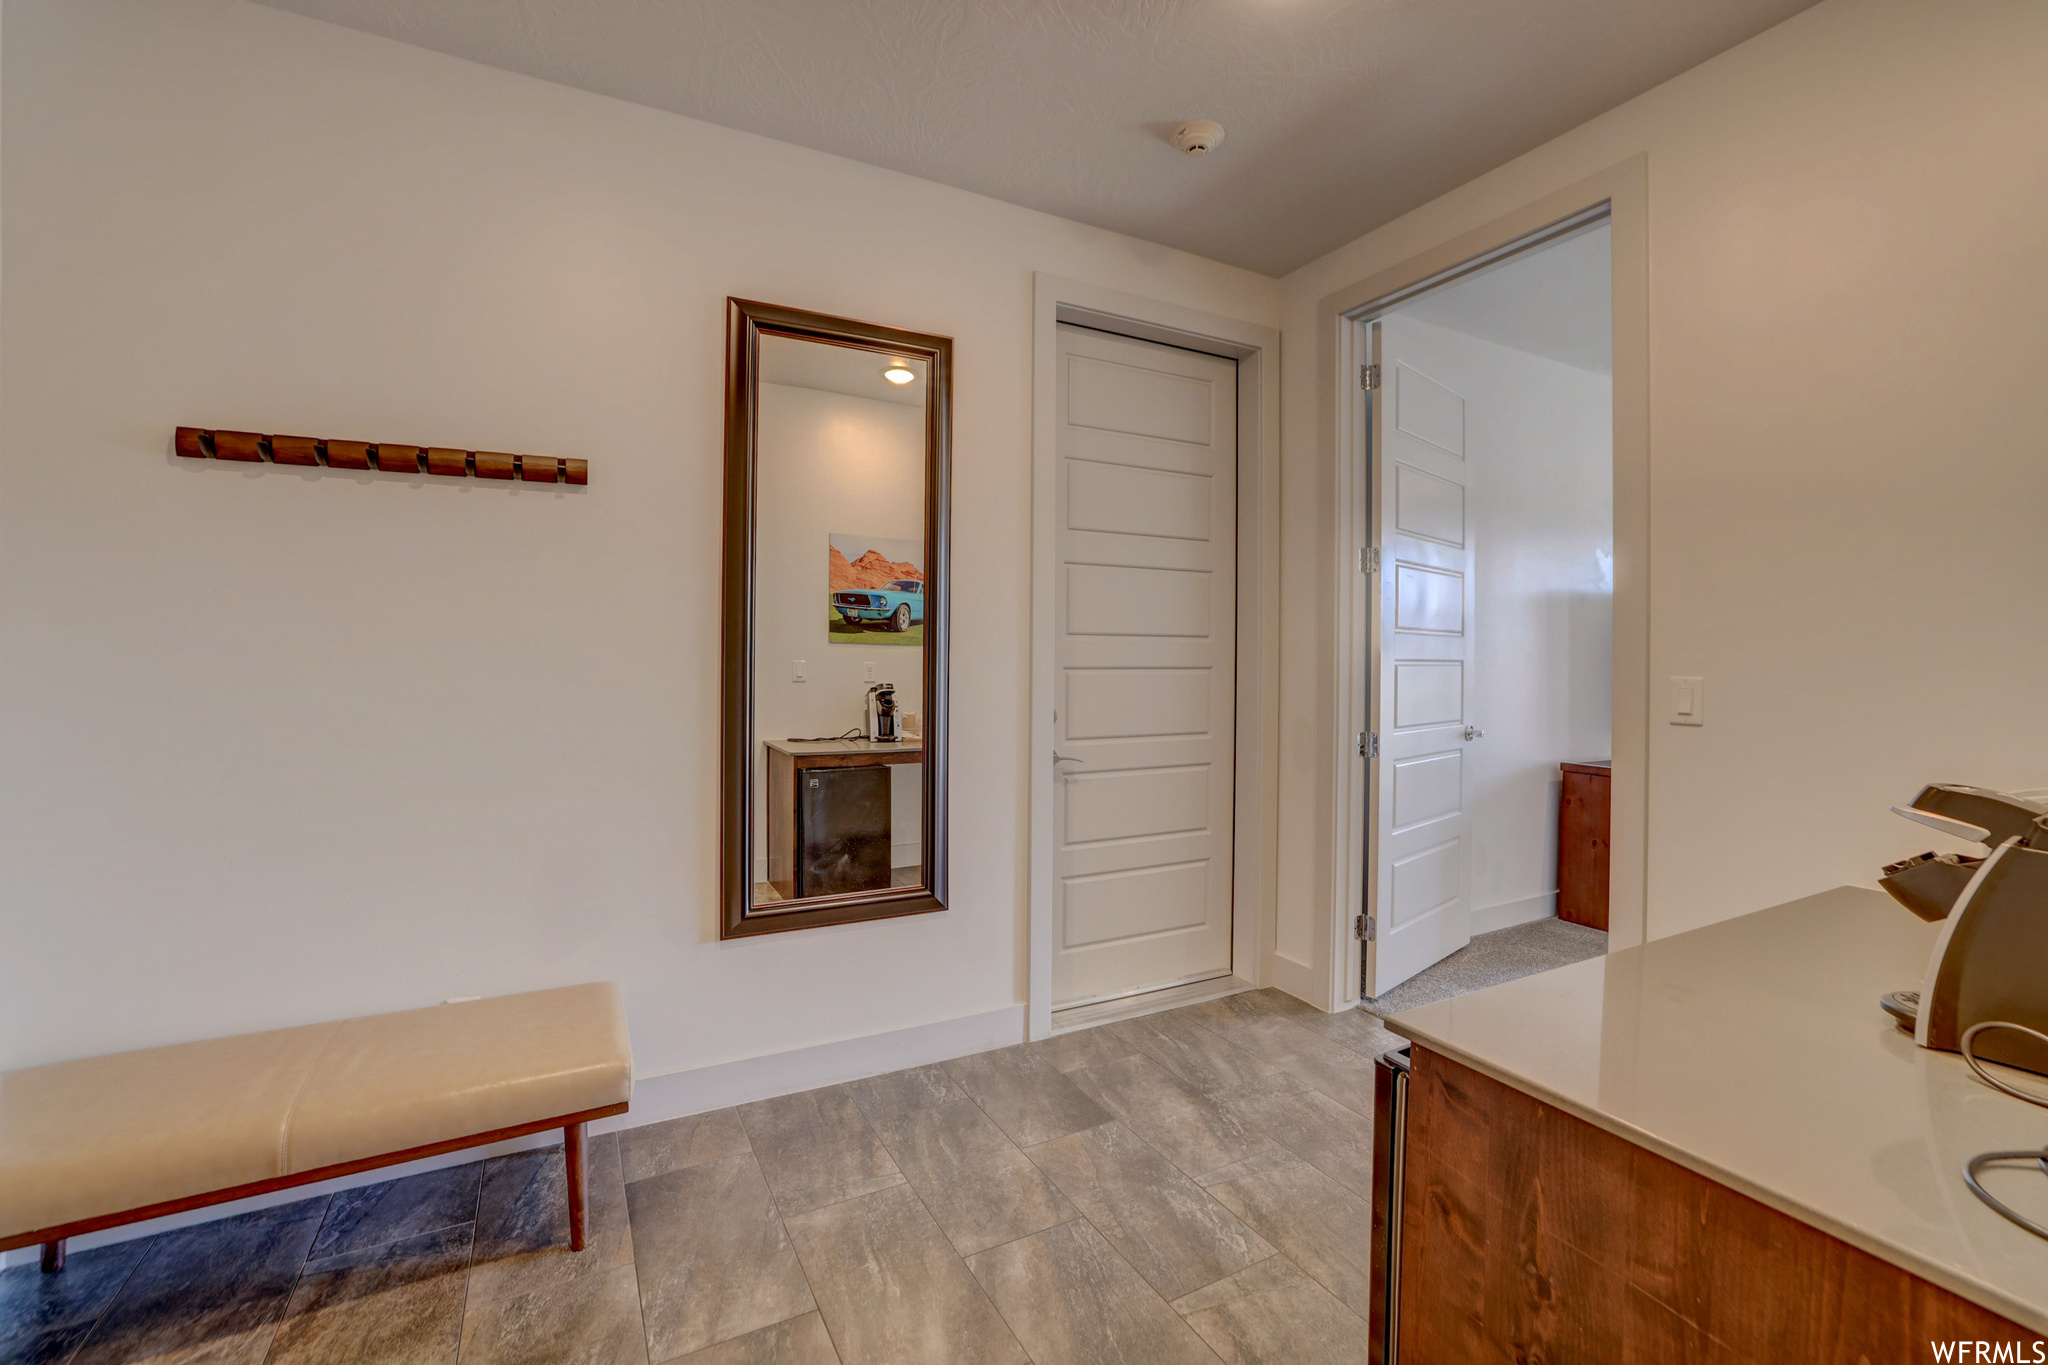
[{"x": 1197, "y": 136}]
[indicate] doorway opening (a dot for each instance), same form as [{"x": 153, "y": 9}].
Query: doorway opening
[{"x": 1486, "y": 637}]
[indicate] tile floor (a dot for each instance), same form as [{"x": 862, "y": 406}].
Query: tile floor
[{"x": 1191, "y": 1186}]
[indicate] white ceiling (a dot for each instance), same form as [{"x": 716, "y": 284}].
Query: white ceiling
[
  {"x": 1557, "y": 302},
  {"x": 838, "y": 369},
  {"x": 1340, "y": 114}
]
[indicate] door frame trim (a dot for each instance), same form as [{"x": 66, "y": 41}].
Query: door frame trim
[
  {"x": 1621, "y": 193},
  {"x": 1255, "y": 837}
]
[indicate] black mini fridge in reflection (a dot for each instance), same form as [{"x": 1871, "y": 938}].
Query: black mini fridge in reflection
[{"x": 842, "y": 830}]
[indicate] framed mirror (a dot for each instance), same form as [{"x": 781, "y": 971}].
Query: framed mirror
[{"x": 837, "y": 449}]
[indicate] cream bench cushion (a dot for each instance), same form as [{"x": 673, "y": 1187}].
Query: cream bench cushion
[{"x": 86, "y": 1139}]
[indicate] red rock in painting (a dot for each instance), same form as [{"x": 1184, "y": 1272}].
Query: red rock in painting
[{"x": 871, "y": 570}]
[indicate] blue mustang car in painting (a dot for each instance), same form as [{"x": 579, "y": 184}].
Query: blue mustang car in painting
[{"x": 901, "y": 605}]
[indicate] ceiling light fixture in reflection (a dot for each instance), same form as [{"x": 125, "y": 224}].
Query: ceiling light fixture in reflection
[{"x": 899, "y": 373}]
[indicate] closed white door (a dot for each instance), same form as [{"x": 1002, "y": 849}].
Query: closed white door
[
  {"x": 1144, "y": 640},
  {"x": 1419, "y": 844}
]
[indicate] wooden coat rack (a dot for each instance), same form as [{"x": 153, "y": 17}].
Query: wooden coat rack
[{"x": 201, "y": 443}]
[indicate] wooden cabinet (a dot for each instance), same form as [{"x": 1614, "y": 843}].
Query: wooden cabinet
[
  {"x": 1528, "y": 1234},
  {"x": 1582, "y": 825}
]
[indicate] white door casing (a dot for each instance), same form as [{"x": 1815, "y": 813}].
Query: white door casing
[
  {"x": 1418, "y": 841},
  {"x": 1619, "y": 195},
  {"x": 1144, "y": 659}
]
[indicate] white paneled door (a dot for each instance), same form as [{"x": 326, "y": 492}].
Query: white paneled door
[
  {"x": 1144, "y": 639},
  {"x": 1419, "y": 877}
]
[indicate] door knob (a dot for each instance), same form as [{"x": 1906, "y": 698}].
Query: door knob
[
  {"x": 1059, "y": 757},
  {"x": 1473, "y": 732}
]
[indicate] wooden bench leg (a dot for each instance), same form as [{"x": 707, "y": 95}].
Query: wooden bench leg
[
  {"x": 572, "y": 1151},
  {"x": 53, "y": 1256}
]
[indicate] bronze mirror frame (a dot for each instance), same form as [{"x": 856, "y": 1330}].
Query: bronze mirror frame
[{"x": 746, "y": 321}]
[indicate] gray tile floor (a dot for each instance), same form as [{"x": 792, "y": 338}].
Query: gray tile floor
[{"x": 1192, "y": 1186}]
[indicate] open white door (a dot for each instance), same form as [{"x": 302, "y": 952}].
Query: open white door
[{"x": 1418, "y": 874}]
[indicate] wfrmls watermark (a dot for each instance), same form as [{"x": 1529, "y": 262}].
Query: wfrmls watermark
[{"x": 1991, "y": 1352}]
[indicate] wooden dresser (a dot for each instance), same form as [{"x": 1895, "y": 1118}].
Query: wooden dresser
[{"x": 1582, "y": 825}]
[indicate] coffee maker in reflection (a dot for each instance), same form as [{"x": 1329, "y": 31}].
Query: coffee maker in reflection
[{"x": 884, "y": 720}]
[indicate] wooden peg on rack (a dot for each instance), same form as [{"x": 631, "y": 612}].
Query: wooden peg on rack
[
  {"x": 237, "y": 445},
  {"x": 347, "y": 455},
  {"x": 394, "y": 459},
  {"x": 294, "y": 450}
]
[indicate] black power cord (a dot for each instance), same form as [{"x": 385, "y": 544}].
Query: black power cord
[{"x": 1976, "y": 1164}]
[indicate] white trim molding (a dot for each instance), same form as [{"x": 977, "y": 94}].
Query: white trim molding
[
  {"x": 675, "y": 1094},
  {"x": 1256, "y": 349}
]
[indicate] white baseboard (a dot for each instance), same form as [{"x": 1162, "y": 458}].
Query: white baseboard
[
  {"x": 673, "y": 1094},
  {"x": 667, "y": 1095},
  {"x": 1508, "y": 914}
]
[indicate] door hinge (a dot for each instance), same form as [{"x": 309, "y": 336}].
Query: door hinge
[
  {"x": 1367, "y": 928},
  {"x": 1368, "y": 377},
  {"x": 1368, "y": 559},
  {"x": 1368, "y": 744}
]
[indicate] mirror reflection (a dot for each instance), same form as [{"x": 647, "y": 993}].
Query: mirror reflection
[{"x": 839, "y": 620}]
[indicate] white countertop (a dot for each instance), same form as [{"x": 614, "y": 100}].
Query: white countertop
[{"x": 1754, "y": 1052}]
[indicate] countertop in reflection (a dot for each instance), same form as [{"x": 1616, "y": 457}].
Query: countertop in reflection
[
  {"x": 1753, "y": 1052},
  {"x": 833, "y": 748}
]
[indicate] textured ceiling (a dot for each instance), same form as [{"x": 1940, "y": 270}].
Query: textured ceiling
[
  {"x": 1341, "y": 114},
  {"x": 838, "y": 369},
  {"x": 1556, "y": 302}
]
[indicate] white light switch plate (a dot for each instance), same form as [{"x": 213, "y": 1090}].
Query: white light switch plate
[
  {"x": 797, "y": 673},
  {"x": 1688, "y": 701},
  {"x": 868, "y": 671}
]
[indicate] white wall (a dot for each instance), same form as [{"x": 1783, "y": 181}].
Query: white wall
[
  {"x": 288, "y": 746},
  {"x": 1848, "y": 317},
  {"x": 829, "y": 463},
  {"x": 1539, "y": 441}
]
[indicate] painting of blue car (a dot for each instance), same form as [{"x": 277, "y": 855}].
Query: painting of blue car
[
  {"x": 898, "y": 606},
  {"x": 874, "y": 590}
]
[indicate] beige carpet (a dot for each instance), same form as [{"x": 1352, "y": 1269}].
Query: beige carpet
[{"x": 1490, "y": 959}]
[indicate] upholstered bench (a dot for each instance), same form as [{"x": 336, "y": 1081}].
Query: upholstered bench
[{"x": 103, "y": 1141}]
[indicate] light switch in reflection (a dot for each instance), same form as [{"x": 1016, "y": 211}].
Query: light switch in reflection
[
  {"x": 796, "y": 674},
  {"x": 1688, "y": 701}
]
